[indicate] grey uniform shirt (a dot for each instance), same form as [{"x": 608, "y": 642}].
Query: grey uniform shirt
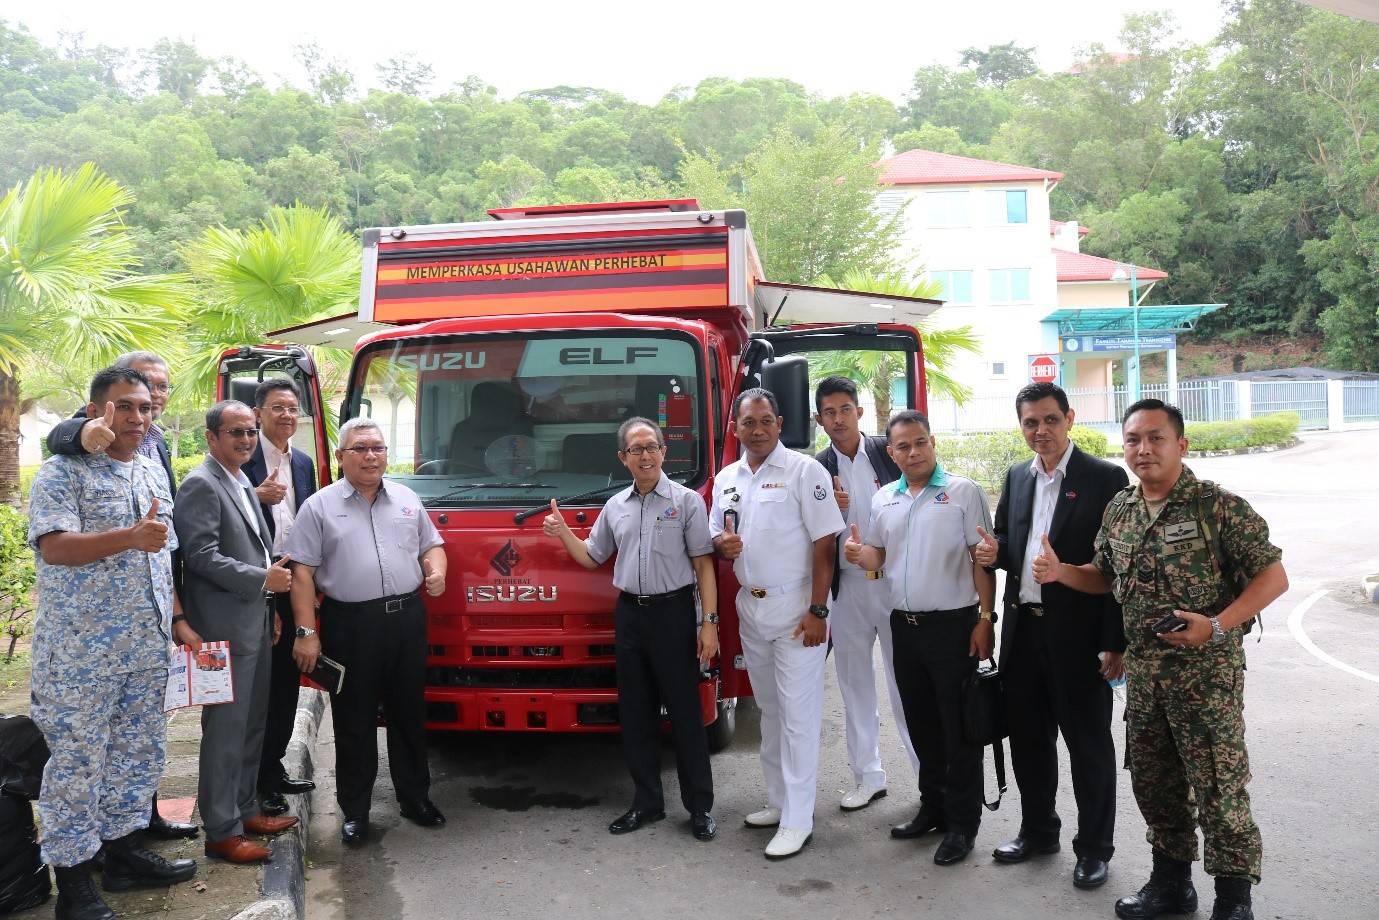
[
  {"x": 362, "y": 552},
  {"x": 654, "y": 535}
]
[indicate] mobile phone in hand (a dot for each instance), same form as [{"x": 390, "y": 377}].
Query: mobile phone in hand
[{"x": 1169, "y": 624}]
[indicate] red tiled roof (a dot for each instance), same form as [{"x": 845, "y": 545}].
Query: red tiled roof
[
  {"x": 926, "y": 167},
  {"x": 1054, "y": 226},
  {"x": 1079, "y": 266}
]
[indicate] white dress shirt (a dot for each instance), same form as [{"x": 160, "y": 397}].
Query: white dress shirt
[
  {"x": 1046, "y": 486},
  {"x": 285, "y": 511}
]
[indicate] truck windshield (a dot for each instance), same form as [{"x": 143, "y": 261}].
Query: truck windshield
[{"x": 515, "y": 420}]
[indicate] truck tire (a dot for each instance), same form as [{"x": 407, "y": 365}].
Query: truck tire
[{"x": 724, "y": 727}]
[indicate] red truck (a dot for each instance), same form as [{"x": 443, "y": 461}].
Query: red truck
[{"x": 499, "y": 357}]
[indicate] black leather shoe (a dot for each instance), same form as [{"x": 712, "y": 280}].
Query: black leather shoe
[
  {"x": 634, "y": 819},
  {"x": 295, "y": 786},
  {"x": 921, "y": 824},
  {"x": 423, "y": 813},
  {"x": 129, "y": 865},
  {"x": 1232, "y": 910},
  {"x": 273, "y": 804},
  {"x": 163, "y": 829},
  {"x": 1158, "y": 896},
  {"x": 702, "y": 826},
  {"x": 1089, "y": 872},
  {"x": 355, "y": 832},
  {"x": 954, "y": 848},
  {"x": 1022, "y": 848}
]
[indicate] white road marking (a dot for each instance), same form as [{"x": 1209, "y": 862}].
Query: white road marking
[{"x": 1295, "y": 627}]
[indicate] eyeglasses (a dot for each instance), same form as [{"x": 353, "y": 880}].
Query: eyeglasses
[
  {"x": 285, "y": 410},
  {"x": 164, "y": 388},
  {"x": 363, "y": 450},
  {"x": 648, "y": 449},
  {"x": 239, "y": 432}
]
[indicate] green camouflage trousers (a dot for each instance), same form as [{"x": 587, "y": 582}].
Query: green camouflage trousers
[{"x": 1185, "y": 750}]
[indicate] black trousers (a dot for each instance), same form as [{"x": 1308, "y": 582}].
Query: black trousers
[
  {"x": 384, "y": 655},
  {"x": 657, "y": 663},
  {"x": 931, "y": 665},
  {"x": 1050, "y": 688},
  {"x": 283, "y": 683}
]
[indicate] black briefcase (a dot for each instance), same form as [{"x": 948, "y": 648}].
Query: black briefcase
[{"x": 984, "y": 720}]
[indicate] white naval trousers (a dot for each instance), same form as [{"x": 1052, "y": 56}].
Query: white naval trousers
[
  {"x": 860, "y": 616},
  {"x": 788, "y": 683}
]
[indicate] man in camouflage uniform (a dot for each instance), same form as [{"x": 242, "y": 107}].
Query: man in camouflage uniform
[
  {"x": 100, "y": 526},
  {"x": 1174, "y": 545}
]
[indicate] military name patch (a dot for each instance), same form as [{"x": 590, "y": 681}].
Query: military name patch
[
  {"x": 1183, "y": 546},
  {"x": 772, "y": 485},
  {"x": 1182, "y": 530},
  {"x": 1119, "y": 546}
]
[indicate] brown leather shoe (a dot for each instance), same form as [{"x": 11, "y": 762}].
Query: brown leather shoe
[
  {"x": 265, "y": 824},
  {"x": 238, "y": 849}
]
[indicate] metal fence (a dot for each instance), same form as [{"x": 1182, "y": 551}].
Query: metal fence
[
  {"x": 1360, "y": 401},
  {"x": 1305, "y": 397}
]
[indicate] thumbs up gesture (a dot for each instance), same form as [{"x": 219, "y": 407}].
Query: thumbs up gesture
[
  {"x": 852, "y": 546},
  {"x": 729, "y": 543},
  {"x": 271, "y": 490},
  {"x": 1045, "y": 566},
  {"x": 841, "y": 495},
  {"x": 148, "y": 533},
  {"x": 279, "y": 578},
  {"x": 554, "y": 524},
  {"x": 984, "y": 553},
  {"x": 435, "y": 581},
  {"x": 99, "y": 433}
]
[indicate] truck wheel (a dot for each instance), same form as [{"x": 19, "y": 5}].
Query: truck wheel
[{"x": 724, "y": 727}]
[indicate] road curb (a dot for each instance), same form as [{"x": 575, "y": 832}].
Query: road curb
[{"x": 284, "y": 879}]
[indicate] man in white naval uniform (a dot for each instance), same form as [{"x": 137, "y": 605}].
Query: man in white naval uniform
[
  {"x": 861, "y": 614},
  {"x": 775, "y": 517}
]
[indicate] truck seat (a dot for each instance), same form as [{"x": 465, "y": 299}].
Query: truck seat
[
  {"x": 495, "y": 411},
  {"x": 592, "y": 452}
]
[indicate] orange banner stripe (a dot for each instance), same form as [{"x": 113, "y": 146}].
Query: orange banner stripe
[
  {"x": 673, "y": 262},
  {"x": 558, "y": 302}
]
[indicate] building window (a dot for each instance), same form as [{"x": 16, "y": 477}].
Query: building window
[
  {"x": 1008, "y": 285},
  {"x": 957, "y": 286},
  {"x": 998, "y": 368},
  {"x": 1007, "y": 207},
  {"x": 947, "y": 209}
]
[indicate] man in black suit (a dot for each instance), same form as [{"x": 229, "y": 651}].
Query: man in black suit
[
  {"x": 1058, "y": 647},
  {"x": 81, "y": 434},
  {"x": 283, "y": 479}
]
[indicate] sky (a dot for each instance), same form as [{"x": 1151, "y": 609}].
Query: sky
[{"x": 639, "y": 49}]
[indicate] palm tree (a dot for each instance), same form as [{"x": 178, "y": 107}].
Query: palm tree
[
  {"x": 69, "y": 293},
  {"x": 876, "y": 369},
  {"x": 298, "y": 265}
]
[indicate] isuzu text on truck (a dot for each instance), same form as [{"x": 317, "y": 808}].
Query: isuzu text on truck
[{"x": 499, "y": 357}]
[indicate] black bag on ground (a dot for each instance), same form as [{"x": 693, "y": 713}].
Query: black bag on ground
[
  {"x": 24, "y": 879},
  {"x": 984, "y": 720}
]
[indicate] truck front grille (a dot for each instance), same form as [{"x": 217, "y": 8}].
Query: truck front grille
[{"x": 522, "y": 678}]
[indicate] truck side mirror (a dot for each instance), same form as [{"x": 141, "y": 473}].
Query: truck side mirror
[{"x": 788, "y": 379}]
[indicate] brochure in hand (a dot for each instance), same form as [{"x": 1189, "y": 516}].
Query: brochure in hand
[{"x": 199, "y": 676}]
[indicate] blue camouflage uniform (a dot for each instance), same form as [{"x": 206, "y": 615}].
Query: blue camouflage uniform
[{"x": 100, "y": 654}]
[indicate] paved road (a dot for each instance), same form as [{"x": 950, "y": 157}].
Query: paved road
[{"x": 526, "y": 836}]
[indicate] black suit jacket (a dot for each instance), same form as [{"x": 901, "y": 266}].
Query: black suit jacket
[
  {"x": 303, "y": 480},
  {"x": 1077, "y": 623},
  {"x": 65, "y": 438},
  {"x": 881, "y": 462}
]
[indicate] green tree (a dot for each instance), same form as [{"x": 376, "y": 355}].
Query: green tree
[
  {"x": 68, "y": 288},
  {"x": 1000, "y": 64}
]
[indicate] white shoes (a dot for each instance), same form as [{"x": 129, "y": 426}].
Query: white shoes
[
  {"x": 787, "y": 843},
  {"x": 862, "y": 796},
  {"x": 766, "y": 817}
]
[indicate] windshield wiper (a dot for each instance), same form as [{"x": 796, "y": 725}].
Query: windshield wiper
[
  {"x": 455, "y": 493},
  {"x": 579, "y": 496}
]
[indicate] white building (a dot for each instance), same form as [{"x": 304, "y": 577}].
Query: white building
[{"x": 983, "y": 231}]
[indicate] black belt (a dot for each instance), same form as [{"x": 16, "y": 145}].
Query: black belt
[
  {"x": 646, "y": 600},
  {"x": 1035, "y": 609},
  {"x": 391, "y": 604},
  {"x": 914, "y": 617}
]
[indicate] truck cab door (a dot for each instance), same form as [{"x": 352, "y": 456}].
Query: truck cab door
[{"x": 243, "y": 369}]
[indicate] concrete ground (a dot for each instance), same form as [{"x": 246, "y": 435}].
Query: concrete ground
[{"x": 527, "y": 834}]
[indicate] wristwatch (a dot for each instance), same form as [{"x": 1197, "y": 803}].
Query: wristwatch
[
  {"x": 304, "y": 631},
  {"x": 988, "y": 615},
  {"x": 711, "y": 618},
  {"x": 180, "y": 618},
  {"x": 819, "y": 610},
  {"x": 1217, "y": 633}
]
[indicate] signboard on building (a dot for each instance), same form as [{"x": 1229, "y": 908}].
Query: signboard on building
[
  {"x": 1043, "y": 368},
  {"x": 1120, "y": 342}
]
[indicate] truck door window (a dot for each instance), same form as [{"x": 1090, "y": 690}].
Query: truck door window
[{"x": 509, "y": 420}]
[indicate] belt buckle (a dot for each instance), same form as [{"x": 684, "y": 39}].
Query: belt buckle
[
  {"x": 1036, "y": 609},
  {"x": 392, "y": 606},
  {"x": 644, "y": 600},
  {"x": 876, "y": 576},
  {"x": 911, "y": 618},
  {"x": 758, "y": 593}
]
